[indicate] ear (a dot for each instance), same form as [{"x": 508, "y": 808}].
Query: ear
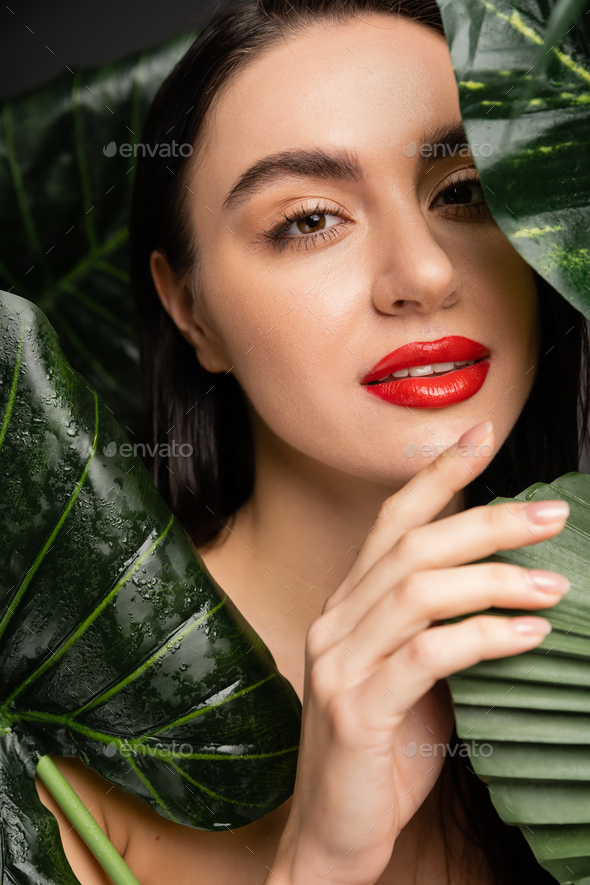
[{"x": 178, "y": 302}]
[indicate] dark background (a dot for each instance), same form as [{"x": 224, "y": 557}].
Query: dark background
[{"x": 86, "y": 32}]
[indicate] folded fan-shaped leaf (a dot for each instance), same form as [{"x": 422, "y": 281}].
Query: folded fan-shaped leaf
[
  {"x": 527, "y": 115},
  {"x": 64, "y": 206},
  {"x": 527, "y": 717},
  {"x": 116, "y": 644}
]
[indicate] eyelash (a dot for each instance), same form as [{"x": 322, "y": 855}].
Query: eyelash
[
  {"x": 275, "y": 236},
  {"x": 278, "y": 242}
]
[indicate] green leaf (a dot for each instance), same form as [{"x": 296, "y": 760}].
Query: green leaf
[
  {"x": 525, "y": 106},
  {"x": 116, "y": 644},
  {"x": 526, "y": 717},
  {"x": 64, "y": 207}
]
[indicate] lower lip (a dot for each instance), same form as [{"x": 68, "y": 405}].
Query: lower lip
[{"x": 435, "y": 391}]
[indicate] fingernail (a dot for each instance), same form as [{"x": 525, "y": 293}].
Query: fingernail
[
  {"x": 548, "y": 582},
  {"x": 477, "y": 434},
  {"x": 531, "y": 626},
  {"x": 545, "y": 512}
]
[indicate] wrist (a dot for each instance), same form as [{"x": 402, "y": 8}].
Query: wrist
[
  {"x": 302, "y": 859},
  {"x": 299, "y": 865}
]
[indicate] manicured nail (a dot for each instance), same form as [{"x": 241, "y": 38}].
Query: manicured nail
[
  {"x": 477, "y": 434},
  {"x": 531, "y": 626},
  {"x": 545, "y": 512},
  {"x": 548, "y": 582}
]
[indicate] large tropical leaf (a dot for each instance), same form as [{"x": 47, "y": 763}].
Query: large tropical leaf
[
  {"x": 116, "y": 644},
  {"x": 63, "y": 212},
  {"x": 526, "y": 718},
  {"x": 526, "y": 108}
]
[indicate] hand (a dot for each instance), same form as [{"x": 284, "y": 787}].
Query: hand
[{"x": 373, "y": 657}]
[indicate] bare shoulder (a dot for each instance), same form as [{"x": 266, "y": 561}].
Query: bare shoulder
[
  {"x": 93, "y": 791},
  {"x": 155, "y": 848},
  {"x": 163, "y": 850},
  {"x": 124, "y": 819}
]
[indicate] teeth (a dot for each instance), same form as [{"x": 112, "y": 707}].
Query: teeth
[
  {"x": 423, "y": 371},
  {"x": 416, "y": 371},
  {"x": 444, "y": 367}
]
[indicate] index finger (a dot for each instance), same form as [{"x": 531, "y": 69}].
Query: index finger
[{"x": 419, "y": 501}]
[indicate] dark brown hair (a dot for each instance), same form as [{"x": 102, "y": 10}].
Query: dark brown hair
[{"x": 208, "y": 411}]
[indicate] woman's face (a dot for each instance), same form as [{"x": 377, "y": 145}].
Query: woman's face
[{"x": 405, "y": 251}]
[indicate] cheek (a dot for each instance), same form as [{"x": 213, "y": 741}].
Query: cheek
[
  {"x": 506, "y": 301},
  {"x": 287, "y": 372},
  {"x": 518, "y": 324},
  {"x": 285, "y": 334}
]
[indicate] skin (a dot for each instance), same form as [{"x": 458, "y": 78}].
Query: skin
[{"x": 331, "y": 537}]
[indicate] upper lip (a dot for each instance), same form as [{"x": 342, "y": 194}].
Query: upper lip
[{"x": 453, "y": 348}]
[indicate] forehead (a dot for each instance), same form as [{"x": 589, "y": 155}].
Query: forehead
[{"x": 363, "y": 83}]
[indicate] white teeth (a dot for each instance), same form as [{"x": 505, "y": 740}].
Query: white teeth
[
  {"x": 433, "y": 369},
  {"x": 416, "y": 371},
  {"x": 443, "y": 367}
]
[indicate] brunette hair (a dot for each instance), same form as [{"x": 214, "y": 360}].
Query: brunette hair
[{"x": 208, "y": 411}]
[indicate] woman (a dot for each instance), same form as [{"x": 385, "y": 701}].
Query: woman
[{"x": 324, "y": 313}]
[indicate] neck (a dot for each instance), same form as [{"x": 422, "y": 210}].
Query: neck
[{"x": 288, "y": 548}]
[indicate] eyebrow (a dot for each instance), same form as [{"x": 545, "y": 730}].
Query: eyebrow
[
  {"x": 453, "y": 136},
  {"x": 338, "y": 164}
]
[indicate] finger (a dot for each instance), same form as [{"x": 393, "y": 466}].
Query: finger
[
  {"x": 406, "y": 676},
  {"x": 458, "y": 539},
  {"x": 428, "y": 596},
  {"x": 420, "y": 500}
]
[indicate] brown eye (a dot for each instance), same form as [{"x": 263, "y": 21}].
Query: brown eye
[
  {"x": 303, "y": 229},
  {"x": 313, "y": 223},
  {"x": 461, "y": 194}
]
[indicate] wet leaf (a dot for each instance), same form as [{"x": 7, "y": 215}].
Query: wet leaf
[
  {"x": 116, "y": 644},
  {"x": 526, "y": 111}
]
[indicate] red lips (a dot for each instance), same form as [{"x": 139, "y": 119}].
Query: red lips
[{"x": 435, "y": 391}]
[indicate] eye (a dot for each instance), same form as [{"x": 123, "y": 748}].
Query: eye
[
  {"x": 304, "y": 228},
  {"x": 464, "y": 196},
  {"x": 311, "y": 224},
  {"x": 460, "y": 194}
]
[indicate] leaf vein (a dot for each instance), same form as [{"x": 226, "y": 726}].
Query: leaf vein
[
  {"x": 12, "y": 395},
  {"x": 177, "y": 636},
  {"x": 49, "y": 542},
  {"x": 49, "y": 662}
]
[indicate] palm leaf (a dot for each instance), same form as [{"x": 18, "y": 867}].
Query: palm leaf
[
  {"x": 523, "y": 72},
  {"x": 116, "y": 644},
  {"x": 526, "y": 718}
]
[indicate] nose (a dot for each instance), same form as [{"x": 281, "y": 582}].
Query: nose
[{"x": 417, "y": 275}]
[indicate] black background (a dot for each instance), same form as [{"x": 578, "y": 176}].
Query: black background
[{"x": 86, "y": 32}]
